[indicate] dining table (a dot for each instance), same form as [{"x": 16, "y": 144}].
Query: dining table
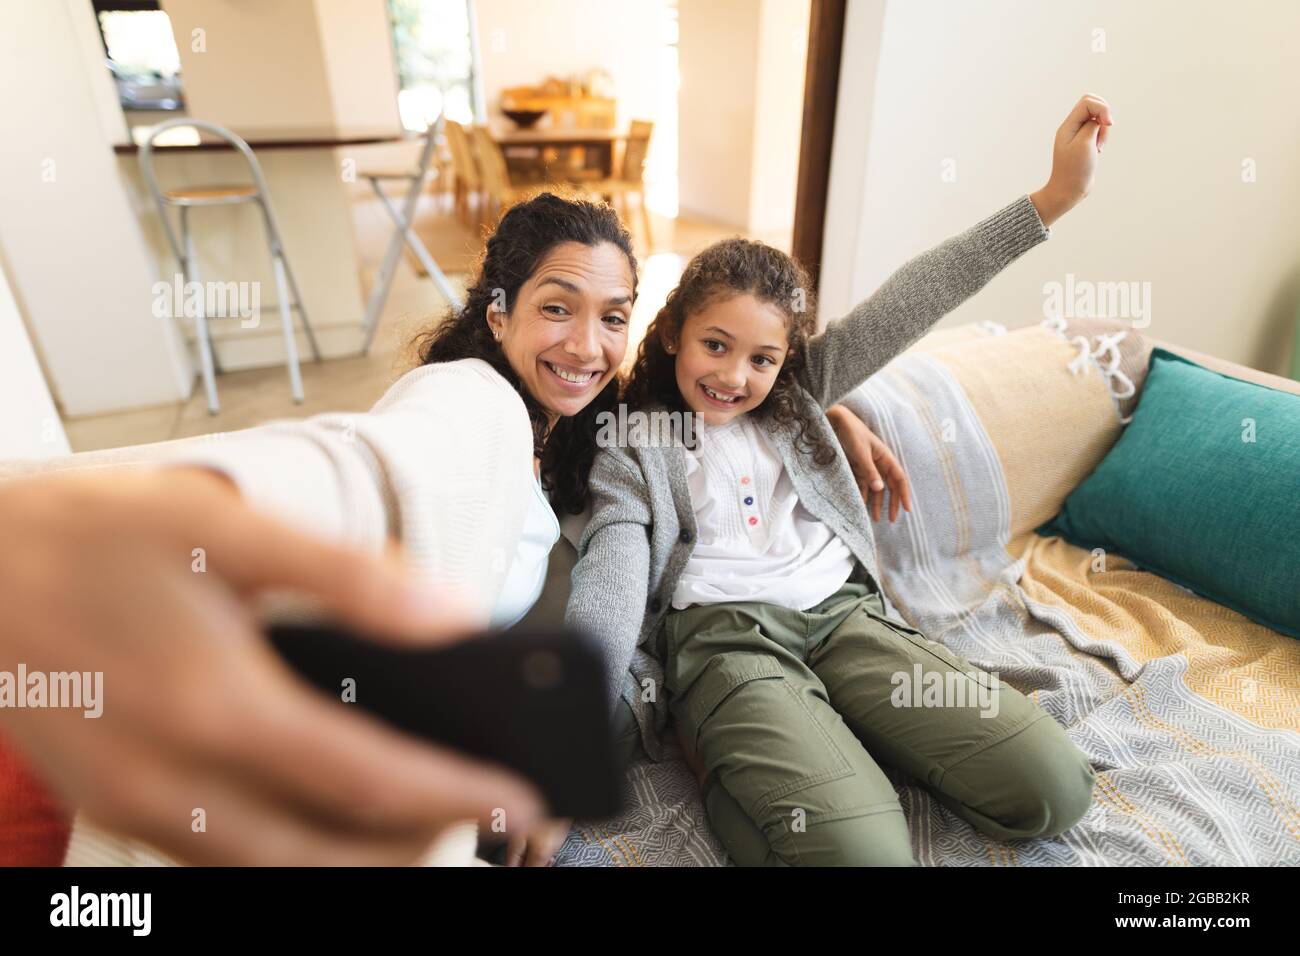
[{"x": 599, "y": 144}]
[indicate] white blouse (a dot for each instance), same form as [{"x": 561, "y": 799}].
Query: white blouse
[
  {"x": 526, "y": 574},
  {"x": 755, "y": 541}
]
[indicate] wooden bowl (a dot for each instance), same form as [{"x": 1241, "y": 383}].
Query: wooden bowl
[{"x": 524, "y": 118}]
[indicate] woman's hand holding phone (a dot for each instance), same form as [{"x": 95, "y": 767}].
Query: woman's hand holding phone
[{"x": 101, "y": 574}]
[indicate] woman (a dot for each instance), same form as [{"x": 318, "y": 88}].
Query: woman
[
  {"x": 466, "y": 458},
  {"x": 97, "y": 576}
]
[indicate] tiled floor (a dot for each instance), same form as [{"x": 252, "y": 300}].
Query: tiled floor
[{"x": 353, "y": 384}]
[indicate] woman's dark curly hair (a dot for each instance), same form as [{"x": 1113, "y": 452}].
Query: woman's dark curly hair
[
  {"x": 521, "y": 240},
  {"x": 725, "y": 269}
]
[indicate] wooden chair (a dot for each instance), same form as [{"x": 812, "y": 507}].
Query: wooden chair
[
  {"x": 443, "y": 183},
  {"x": 631, "y": 178},
  {"x": 469, "y": 180},
  {"x": 500, "y": 191}
]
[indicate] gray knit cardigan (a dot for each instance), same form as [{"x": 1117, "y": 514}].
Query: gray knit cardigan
[{"x": 642, "y": 530}]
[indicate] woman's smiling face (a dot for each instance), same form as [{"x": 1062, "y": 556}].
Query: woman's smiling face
[{"x": 566, "y": 333}]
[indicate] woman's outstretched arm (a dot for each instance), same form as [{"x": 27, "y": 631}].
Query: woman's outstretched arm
[
  {"x": 98, "y": 577},
  {"x": 441, "y": 464},
  {"x": 875, "y": 467}
]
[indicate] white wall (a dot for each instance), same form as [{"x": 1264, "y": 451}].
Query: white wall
[
  {"x": 741, "y": 110},
  {"x": 778, "y": 118},
  {"x": 73, "y": 246},
  {"x": 103, "y": 89},
  {"x": 1197, "y": 88},
  {"x": 290, "y": 64},
  {"x": 521, "y": 42},
  {"x": 357, "y": 39},
  {"x": 854, "y": 115},
  {"x": 718, "y": 51},
  {"x": 29, "y": 423},
  {"x": 260, "y": 66}
]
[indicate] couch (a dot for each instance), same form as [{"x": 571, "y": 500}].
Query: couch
[{"x": 1190, "y": 712}]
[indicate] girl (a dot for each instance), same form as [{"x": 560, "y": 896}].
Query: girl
[{"x": 740, "y": 577}]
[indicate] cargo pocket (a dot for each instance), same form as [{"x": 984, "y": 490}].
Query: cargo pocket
[
  {"x": 764, "y": 735},
  {"x": 934, "y": 649}
]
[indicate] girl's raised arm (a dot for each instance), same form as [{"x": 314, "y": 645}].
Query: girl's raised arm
[
  {"x": 932, "y": 284},
  {"x": 922, "y": 291}
]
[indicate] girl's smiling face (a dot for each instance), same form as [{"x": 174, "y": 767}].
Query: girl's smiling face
[
  {"x": 566, "y": 334},
  {"x": 729, "y": 355}
]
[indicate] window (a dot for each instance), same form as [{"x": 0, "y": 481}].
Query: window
[
  {"x": 142, "y": 54},
  {"x": 435, "y": 60}
]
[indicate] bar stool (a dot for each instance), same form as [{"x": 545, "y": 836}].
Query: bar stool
[
  {"x": 403, "y": 233},
  {"x": 190, "y": 197}
]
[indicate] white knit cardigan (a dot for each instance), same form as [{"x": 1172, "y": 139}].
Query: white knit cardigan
[{"x": 443, "y": 464}]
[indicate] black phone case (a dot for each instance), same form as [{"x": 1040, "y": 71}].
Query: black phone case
[{"x": 532, "y": 702}]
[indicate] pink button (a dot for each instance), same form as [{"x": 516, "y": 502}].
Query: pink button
[
  {"x": 745, "y": 480},
  {"x": 753, "y": 521}
]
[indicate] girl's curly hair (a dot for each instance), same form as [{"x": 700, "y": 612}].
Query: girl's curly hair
[
  {"x": 725, "y": 269},
  {"x": 522, "y": 239}
]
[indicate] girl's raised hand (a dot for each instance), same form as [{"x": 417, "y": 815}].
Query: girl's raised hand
[{"x": 1078, "y": 144}]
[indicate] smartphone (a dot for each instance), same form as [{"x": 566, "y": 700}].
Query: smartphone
[{"x": 534, "y": 702}]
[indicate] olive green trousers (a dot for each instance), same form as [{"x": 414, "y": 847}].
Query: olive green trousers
[{"x": 791, "y": 710}]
